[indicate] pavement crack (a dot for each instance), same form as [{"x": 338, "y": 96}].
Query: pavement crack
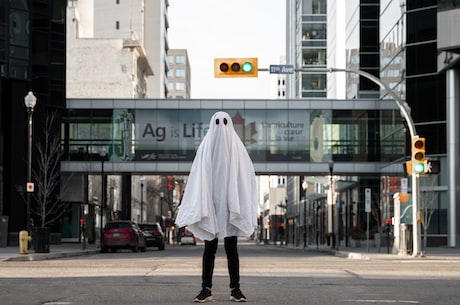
[{"x": 354, "y": 274}]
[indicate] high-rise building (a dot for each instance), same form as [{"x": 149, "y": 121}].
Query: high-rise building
[
  {"x": 306, "y": 42},
  {"x": 448, "y": 44},
  {"x": 362, "y": 46},
  {"x": 179, "y": 74},
  {"x": 32, "y": 57},
  {"x": 117, "y": 49},
  {"x": 397, "y": 41},
  {"x": 408, "y": 64}
]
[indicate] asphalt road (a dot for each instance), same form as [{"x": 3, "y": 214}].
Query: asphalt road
[{"x": 269, "y": 275}]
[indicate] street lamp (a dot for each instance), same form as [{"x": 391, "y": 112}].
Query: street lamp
[
  {"x": 102, "y": 154},
  {"x": 142, "y": 199},
  {"x": 305, "y": 187},
  {"x": 331, "y": 203},
  {"x": 162, "y": 195},
  {"x": 29, "y": 100}
]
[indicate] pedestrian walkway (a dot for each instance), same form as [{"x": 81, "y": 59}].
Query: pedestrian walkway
[
  {"x": 384, "y": 253},
  {"x": 75, "y": 249},
  {"x": 56, "y": 251},
  {"x": 433, "y": 253}
]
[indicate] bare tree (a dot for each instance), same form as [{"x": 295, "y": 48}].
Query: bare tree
[
  {"x": 47, "y": 174},
  {"x": 377, "y": 215},
  {"x": 427, "y": 201}
]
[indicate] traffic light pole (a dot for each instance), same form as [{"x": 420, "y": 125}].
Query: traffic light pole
[{"x": 413, "y": 133}]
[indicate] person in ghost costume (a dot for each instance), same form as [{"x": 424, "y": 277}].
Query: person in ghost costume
[{"x": 220, "y": 200}]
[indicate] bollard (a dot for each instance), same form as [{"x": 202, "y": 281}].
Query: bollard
[{"x": 24, "y": 240}]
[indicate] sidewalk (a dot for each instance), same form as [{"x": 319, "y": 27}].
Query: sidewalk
[
  {"x": 373, "y": 253},
  {"x": 433, "y": 253},
  {"x": 75, "y": 249},
  {"x": 56, "y": 251}
]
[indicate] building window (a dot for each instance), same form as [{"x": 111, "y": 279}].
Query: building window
[
  {"x": 170, "y": 86},
  {"x": 180, "y": 86},
  {"x": 117, "y": 25},
  {"x": 170, "y": 73},
  {"x": 170, "y": 59},
  {"x": 314, "y": 31},
  {"x": 180, "y": 59},
  {"x": 180, "y": 73},
  {"x": 313, "y": 57},
  {"x": 313, "y": 82},
  {"x": 314, "y": 7}
]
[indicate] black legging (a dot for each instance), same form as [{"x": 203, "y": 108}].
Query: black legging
[{"x": 233, "y": 262}]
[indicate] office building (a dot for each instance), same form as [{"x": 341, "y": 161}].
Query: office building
[
  {"x": 117, "y": 49},
  {"x": 32, "y": 58},
  {"x": 448, "y": 64},
  {"x": 179, "y": 74},
  {"x": 306, "y": 42}
]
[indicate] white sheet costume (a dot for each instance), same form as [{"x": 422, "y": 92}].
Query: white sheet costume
[{"x": 220, "y": 197}]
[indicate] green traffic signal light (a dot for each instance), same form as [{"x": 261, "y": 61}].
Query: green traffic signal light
[
  {"x": 419, "y": 167},
  {"x": 247, "y": 67}
]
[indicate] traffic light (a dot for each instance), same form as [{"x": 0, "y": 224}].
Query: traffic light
[
  {"x": 418, "y": 155},
  {"x": 235, "y": 67},
  {"x": 171, "y": 184}
]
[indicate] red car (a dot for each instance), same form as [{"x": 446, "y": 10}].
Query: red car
[{"x": 122, "y": 234}]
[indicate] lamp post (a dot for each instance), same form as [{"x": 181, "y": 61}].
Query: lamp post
[
  {"x": 162, "y": 195},
  {"x": 102, "y": 154},
  {"x": 317, "y": 223},
  {"x": 30, "y": 101},
  {"x": 285, "y": 221},
  {"x": 331, "y": 202},
  {"x": 142, "y": 199},
  {"x": 305, "y": 187}
]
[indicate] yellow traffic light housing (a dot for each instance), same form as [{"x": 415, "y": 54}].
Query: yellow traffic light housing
[
  {"x": 235, "y": 67},
  {"x": 418, "y": 155}
]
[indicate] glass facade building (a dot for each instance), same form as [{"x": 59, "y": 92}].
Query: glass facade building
[
  {"x": 408, "y": 64},
  {"x": 362, "y": 47},
  {"x": 313, "y": 41},
  {"x": 32, "y": 58}
]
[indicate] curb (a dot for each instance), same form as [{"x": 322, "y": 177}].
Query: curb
[{"x": 45, "y": 256}]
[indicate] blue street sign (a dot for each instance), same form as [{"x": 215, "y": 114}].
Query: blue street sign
[{"x": 281, "y": 69}]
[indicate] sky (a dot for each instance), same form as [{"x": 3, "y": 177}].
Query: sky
[{"x": 211, "y": 29}]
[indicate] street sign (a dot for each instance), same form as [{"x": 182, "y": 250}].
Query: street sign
[
  {"x": 281, "y": 69},
  {"x": 30, "y": 187},
  {"x": 367, "y": 200}
]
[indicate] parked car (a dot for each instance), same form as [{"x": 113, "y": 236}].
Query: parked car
[
  {"x": 122, "y": 234},
  {"x": 187, "y": 238},
  {"x": 153, "y": 235}
]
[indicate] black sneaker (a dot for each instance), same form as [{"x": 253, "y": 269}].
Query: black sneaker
[
  {"x": 203, "y": 296},
  {"x": 237, "y": 296}
]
